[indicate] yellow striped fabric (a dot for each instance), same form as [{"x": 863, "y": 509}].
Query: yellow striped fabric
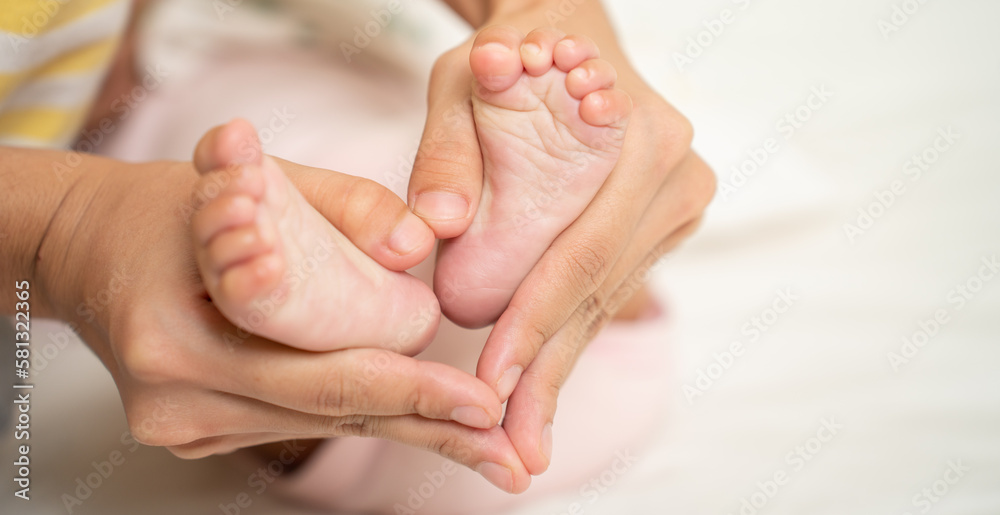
[
  {"x": 40, "y": 123},
  {"x": 83, "y": 60},
  {"x": 54, "y": 55},
  {"x": 25, "y": 17}
]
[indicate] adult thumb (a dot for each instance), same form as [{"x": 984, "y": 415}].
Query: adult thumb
[{"x": 447, "y": 177}]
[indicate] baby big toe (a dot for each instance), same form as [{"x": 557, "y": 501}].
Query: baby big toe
[{"x": 495, "y": 58}]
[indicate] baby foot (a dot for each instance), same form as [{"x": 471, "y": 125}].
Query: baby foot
[
  {"x": 274, "y": 266},
  {"x": 551, "y": 126}
]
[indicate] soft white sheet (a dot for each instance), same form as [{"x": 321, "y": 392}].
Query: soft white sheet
[{"x": 827, "y": 358}]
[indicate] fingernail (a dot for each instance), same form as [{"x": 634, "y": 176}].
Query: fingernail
[
  {"x": 545, "y": 446},
  {"x": 436, "y": 205},
  {"x": 495, "y": 46},
  {"x": 532, "y": 48},
  {"x": 472, "y": 416},
  {"x": 408, "y": 235},
  {"x": 507, "y": 382},
  {"x": 500, "y": 476}
]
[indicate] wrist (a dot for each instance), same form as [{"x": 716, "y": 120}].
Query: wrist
[
  {"x": 62, "y": 247},
  {"x": 114, "y": 230},
  {"x": 92, "y": 239},
  {"x": 33, "y": 186}
]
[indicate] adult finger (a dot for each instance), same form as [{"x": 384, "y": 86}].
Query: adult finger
[
  {"x": 347, "y": 382},
  {"x": 532, "y": 405},
  {"x": 447, "y": 178},
  {"x": 487, "y": 451},
  {"x": 365, "y": 381},
  {"x": 178, "y": 421},
  {"x": 218, "y": 445},
  {"x": 578, "y": 262},
  {"x": 370, "y": 215}
]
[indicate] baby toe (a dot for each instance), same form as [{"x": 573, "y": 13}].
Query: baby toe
[
  {"x": 238, "y": 245},
  {"x": 248, "y": 281},
  {"x": 225, "y": 212},
  {"x": 573, "y": 50},
  {"x": 233, "y": 143},
  {"x": 495, "y": 58},
  {"x": 590, "y": 76},
  {"x": 537, "y": 50},
  {"x": 606, "y": 108}
]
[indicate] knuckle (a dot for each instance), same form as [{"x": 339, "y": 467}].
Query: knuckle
[
  {"x": 164, "y": 420},
  {"x": 546, "y": 385},
  {"x": 698, "y": 192},
  {"x": 587, "y": 265},
  {"x": 672, "y": 130},
  {"x": 539, "y": 327},
  {"x": 334, "y": 396},
  {"x": 149, "y": 359},
  {"x": 415, "y": 400},
  {"x": 538, "y": 336},
  {"x": 153, "y": 429},
  {"x": 362, "y": 426},
  {"x": 684, "y": 231},
  {"x": 448, "y": 446},
  {"x": 364, "y": 198},
  {"x": 150, "y": 437},
  {"x": 552, "y": 384},
  {"x": 683, "y": 131},
  {"x": 596, "y": 314},
  {"x": 448, "y": 158}
]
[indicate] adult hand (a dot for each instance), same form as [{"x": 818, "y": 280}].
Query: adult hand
[
  {"x": 118, "y": 262},
  {"x": 651, "y": 201}
]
